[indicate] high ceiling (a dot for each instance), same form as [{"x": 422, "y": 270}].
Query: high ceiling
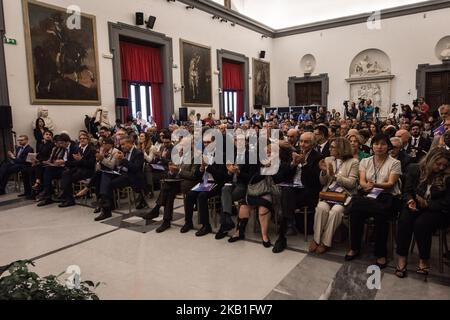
[{"x": 279, "y": 14}]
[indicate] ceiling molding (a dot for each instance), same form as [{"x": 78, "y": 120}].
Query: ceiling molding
[
  {"x": 230, "y": 15},
  {"x": 244, "y": 21}
]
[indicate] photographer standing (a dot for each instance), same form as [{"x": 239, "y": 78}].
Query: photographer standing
[
  {"x": 369, "y": 110},
  {"x": 353, "y": 112}
]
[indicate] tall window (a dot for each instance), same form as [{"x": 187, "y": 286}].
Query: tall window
[
  {"x": 141, "y": 99},
  {"x": 230, "y": 103}
]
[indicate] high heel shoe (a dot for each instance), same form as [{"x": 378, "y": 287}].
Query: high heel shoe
[{"x": 242, "y": 224}]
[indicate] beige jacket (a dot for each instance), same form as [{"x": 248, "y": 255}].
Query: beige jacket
[{"x": 347, "y": 177}]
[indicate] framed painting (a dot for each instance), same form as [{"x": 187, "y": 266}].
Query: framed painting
[
  {"x": 261, "y": 83},
  {"x": 196, "y": 74},
  {"x": 62, "y": 55}
]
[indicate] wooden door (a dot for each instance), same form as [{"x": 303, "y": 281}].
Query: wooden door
[
  {"x": 308, "y": 93},
  {"x": 437, "y": 90}
]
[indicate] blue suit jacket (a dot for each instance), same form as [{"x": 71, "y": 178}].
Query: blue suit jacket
[{"x": 22, "y": 159}]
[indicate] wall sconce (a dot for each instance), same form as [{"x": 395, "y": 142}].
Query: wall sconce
[
  {"x": 263, "y": 36},
  {"x": 177, "y": 88},
  {"x": 223, "y": 20},
  {"x": 216, "y": 72},
  {"x": 175, "y": 66},
  {"x": 214, "y": 17},
  {"x": 220, "y": 91},
  {"x": 190, "y": 7}
]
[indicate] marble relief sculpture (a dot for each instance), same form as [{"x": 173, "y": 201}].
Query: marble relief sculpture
[{"x": 366, "y": 67}]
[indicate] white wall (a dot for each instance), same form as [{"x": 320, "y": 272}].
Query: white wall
[
  {"x": 408, "y": 41},
  {"x": 172, "y": 19}
]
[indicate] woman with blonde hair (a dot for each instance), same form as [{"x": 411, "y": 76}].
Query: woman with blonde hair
[
  {"x": 356, "y": 142},
  {"x": 339, "y": 173},
  {"x": 426, "y": 208}
]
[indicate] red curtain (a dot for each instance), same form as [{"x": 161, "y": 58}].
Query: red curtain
[
  {"x": 233, "y": 79},
  {"x": 143, "y": 64}
]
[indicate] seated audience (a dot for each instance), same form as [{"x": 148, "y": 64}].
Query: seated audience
[
  {"x": 15, "y": 163},
  {"x": 426, "y": 208},
  {"x": 379, "y": 177},
  {"x": 339, "y": 173}
]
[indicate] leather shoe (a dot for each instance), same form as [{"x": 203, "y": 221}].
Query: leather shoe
[
  {"x": 163, "y": 227},
  {"x": 105, "y": 215},
  {"x": 350, "y": 258},
  {"x": 221, "y": 234},
  {"x": 203, "y": 231},
  {"x": 280, "y": 245},
  {"x": 187, "y": 227},
  {"x": 45, "y": 202},
  {"x": 381, "y": 265},
  {"x": 98, "y": 210},
  {"x": 67, "y": 204},
  {"x": 152, "y": 214}
]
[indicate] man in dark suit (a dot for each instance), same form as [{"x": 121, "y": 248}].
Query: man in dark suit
[
  {"x": 82, "y": 167},
  {"x": 304, "y": 174},
  {"x": 323, "y": 145},
  {"x": 130, "y": 166},
  {"x": 16, "y": 163},
  {"x": 418, "y": 144},
  {"x": 56, "y": 166},
  {"x": 33, "y": 174}
]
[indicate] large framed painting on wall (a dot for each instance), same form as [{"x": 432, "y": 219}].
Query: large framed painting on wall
[
  {"x": 261, "y": 83},
  {"x": 62, "y": 55},
  {"x": 196, "y": 74}
]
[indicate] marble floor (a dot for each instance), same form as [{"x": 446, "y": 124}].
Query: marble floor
[{"x": 134, "y": 262}]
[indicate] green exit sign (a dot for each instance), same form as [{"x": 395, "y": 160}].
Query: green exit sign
[{"x": 11, "y": 41}]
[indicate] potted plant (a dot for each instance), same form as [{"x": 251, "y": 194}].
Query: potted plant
[{"x": 22, "y": 284}]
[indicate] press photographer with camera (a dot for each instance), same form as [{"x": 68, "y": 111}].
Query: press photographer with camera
[{"x": 351, "y": 113}]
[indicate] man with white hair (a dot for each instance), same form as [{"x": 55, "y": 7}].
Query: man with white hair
[
  {"x": 399, "y": 154},
  {"x": 303, "y": 187}
]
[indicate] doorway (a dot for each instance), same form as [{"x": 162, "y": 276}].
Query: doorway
[
  {"x": 308, "y": 93},
  {"x": 437, "y": 89}
]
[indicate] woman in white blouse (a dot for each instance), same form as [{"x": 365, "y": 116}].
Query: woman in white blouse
[
  {"x": 339, "y": 173},
  {"x": 379, "y": 180}
]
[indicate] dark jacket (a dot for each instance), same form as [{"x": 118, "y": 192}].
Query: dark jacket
[
  {"x": 45, "y": 151},
  {"x": 22, "y": 159},
  {"x": 247, "y": 171},
  {"x": 87, "y": 163},
  {"x": 439, "y": 200},
  {"x": 134, "y": 169}
]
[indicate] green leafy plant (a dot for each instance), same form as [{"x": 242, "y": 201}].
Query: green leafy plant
[{"x": 22, "y": 284}]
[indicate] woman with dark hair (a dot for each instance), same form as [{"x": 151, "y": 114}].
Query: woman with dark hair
[
  {"x": 339, "y": 173},
  {"x": 426, "y": 207},
  {"x": 378, "y": 176},
  {"x": 373, "y": 131},
  {"x": 39, "y": 130}
]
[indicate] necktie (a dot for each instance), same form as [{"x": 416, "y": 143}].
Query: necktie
[
  {"x": 415, "y": 142},
  {"x": 19, "y": 152}
]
